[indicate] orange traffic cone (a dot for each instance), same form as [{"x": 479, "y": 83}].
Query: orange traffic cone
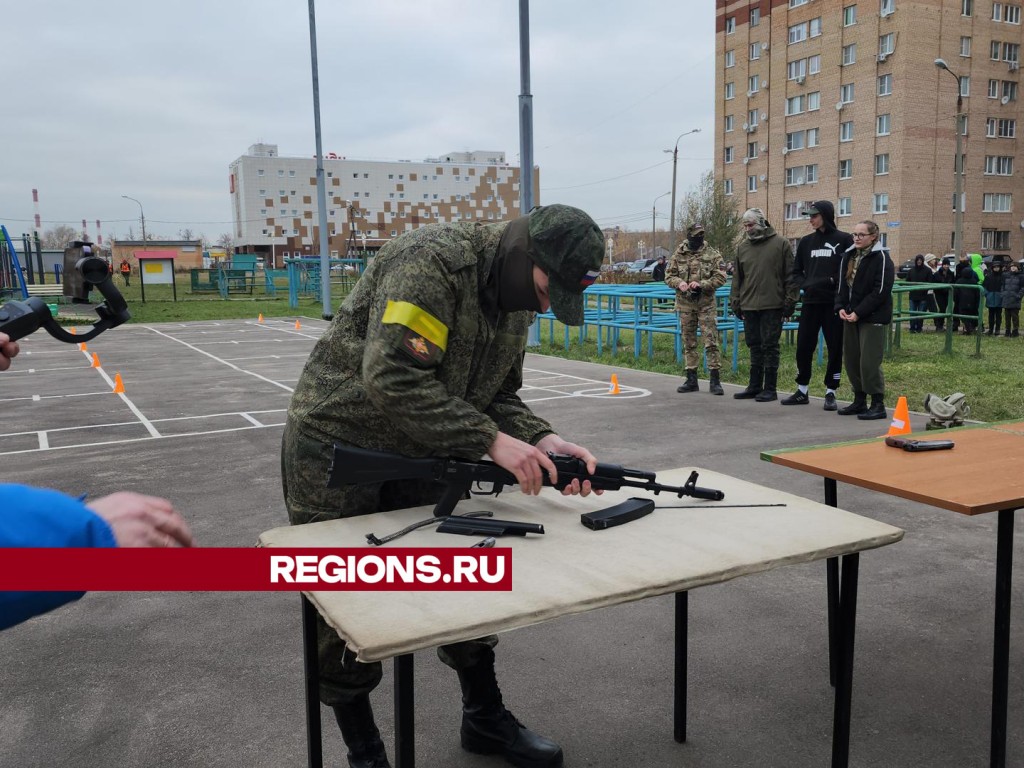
[
  {"x": 82, "y": 346},
  {"x": 900, "y": 419},
  {"x": 613, "y": 386},
  {"x": 118, "y": 384},
  {"x": 95, "y": 360},
  {"x": 298, "y": 325},
  {"x": 260, "y": 319},
  {"x": 72, "y": 330}
]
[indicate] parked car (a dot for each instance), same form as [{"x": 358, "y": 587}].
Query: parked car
[{"x": 904, "y": 271}]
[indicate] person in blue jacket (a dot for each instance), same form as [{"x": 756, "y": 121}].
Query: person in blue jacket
[{"x": 38, "y": 517}]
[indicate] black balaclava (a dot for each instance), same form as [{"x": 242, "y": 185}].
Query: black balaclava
[
  {"x": 695, "y": 241},
  {"x": 514, "y": 267}
]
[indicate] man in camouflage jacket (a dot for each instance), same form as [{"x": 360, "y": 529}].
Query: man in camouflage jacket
[
  {"x": 695, "y": 273},
  {"x": 425, "y": 358}
]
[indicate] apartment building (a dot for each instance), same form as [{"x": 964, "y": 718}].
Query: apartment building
[
  {"x": 274, "y": 198},
  {"x": 842, "y": 100}
]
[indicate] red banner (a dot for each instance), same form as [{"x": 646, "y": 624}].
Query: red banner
[{"x": 202, "y": 569}]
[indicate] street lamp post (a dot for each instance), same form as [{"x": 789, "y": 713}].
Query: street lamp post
[
  {"x": 654, "y": 209},
  {"x": 675, "y": 158},
  {"x": 142, "y": 215},
  {"x": 958, "y": 165}
]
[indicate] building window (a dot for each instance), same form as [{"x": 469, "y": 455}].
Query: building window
[
  {"x": 845, "y": 206},
  {"x": 1000, "y": 128},
  {"x": 849, "y": 15},
  {"x": 730, "y": 59},
  {"x": 966, "y": 7},
  {"x": 965, "y": 85},
  {"x": 885, "y": 85},
  {"x": 814, "y": 64},
  {"x": 727, "y": 186},
  {"x": 883, "y": 239},
  {"x": 1009, "y": 90},
  {"x": 883, "y": 125},
  {"x": 999, "y": 165},
  {"x": 795, "y": 105},
  {"x": 812, "y": 173},
  {"x": 997, "y": 202},
  {"x": 797, "y": 33},
  {"x": 886, "y": 44},
  {"x": 795, "y": 176},
  {"x": 849, "y": 54},
  {"x": 259, "y": 172},
  {"x": 730, "y": 25},
  {"x": 993, "y": 50},
  {"x": 795, "y": 140},
  {"x": 280, "y": 171},
  {"x": 752, "y": 150},
  {"x": 881, "y": 202},
  {"x": 752, "y": 118},
  {"x": 755, "y": 17},
  {"x": 993, "y": 89},
  {"x": 887, "y": 7},
  {"x": 753, "y": 84},
  {"x": 882, "y": 164},
  {"x": 846, "y": 131},
  {"x": 263, "y": 193},
  {"x": 729, "y": 122},
  {"x": 1011, "y": 14},
  {"x": 963, "y": 125},
  {"x": 812, "y": 137},
  {"x": 965, "y": 46},
  {"x": 997, "y": 12},
  {"x": 846, "y": 169},
  {"x": 1011, "y": 52},
  {"x": 995, "y": 239},
  {"x": 846, "y": 93},
  {"x": 755, "y": 51},
  {"x": 796, "y": 69},
  {"x": 728, "y": 154},
  {"x": 291, "y": 174},
  {"x": 816, "y": 27},
  {"x": 797, "y": 3},
  {"x": 751, "y": 183},
  {"x": 793, "y": 211},
  {"x": 730, "y": 90},
  {"x": 813, "y": 101}
]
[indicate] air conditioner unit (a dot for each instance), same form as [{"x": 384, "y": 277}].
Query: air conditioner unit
[
  {"x": 1013, "y": 66},
  {"x": 882, "y": 57},
  {"x": 800, "y": 80}
]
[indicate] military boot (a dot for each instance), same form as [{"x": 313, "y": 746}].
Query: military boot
[
  {"x": 768, "y": 393},
  {"x": 690, "y": 385},
  {"x": 715, "y": 387},
  {"x": 858, "y": 406},
  {"x": 876, "y": 410},
  {"x": 490, "y": 729},
  {"x": 365, "y": 748},
  {"x": 754, "y": 386}
]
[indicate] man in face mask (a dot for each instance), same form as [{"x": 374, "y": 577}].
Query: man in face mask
[
  {"x": 695, "y": 273},
  {"x": 425, "y": 358},
  {"x": 764, "y": 293}
]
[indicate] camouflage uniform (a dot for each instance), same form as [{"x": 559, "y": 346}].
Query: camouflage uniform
[
  {"x": 420, "y": 360},
  {"x": 702, "y": 266}
]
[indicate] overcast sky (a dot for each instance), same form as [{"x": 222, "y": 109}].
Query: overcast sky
[{"x": 155, "y": 99}]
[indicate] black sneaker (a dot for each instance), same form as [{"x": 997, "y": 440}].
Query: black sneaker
[
  {"x": 830, "y": 402},
  {"x": 797, "y": 398}
]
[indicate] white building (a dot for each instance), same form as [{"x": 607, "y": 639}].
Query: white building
[{"x": 274, "y": 198}]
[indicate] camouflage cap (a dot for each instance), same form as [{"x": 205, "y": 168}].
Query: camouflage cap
[
  {"x": 694, "y": 228},
  {"x": 567, "y": 244}
]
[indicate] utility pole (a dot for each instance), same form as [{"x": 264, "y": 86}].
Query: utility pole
[
  {"x": 675, "y": 157},
  {"x": 654, "y": 209}
]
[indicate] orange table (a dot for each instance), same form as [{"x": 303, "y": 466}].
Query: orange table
[{"x": 936, "y": 478}]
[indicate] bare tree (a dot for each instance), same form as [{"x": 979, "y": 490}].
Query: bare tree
[
  {"x": 186, "y": 234},
  {"x": 58, "y": 237},
  {"x": 226, "y": 242},
  {"x": 707, "y": 203}
]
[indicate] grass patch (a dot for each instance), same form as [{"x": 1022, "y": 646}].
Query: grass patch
[{"x": 991, "y": 382}]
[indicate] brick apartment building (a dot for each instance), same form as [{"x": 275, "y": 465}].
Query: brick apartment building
[
  {"x": 274, "y": 198},
  {"x": 841, "y": 100}
]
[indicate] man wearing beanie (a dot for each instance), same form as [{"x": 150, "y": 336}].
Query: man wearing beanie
[
  {"x": 425, "y": 358},
  {"x": 816, "y": 271},
  {"x": 763, "y": 294}
]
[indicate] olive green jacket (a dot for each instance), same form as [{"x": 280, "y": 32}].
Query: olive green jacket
[{"x": 419, "y": 360}]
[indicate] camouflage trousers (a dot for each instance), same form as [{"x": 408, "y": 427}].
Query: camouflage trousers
[
  {"x": 705, "y": 316},
  {"x": 305, "y": 462}
]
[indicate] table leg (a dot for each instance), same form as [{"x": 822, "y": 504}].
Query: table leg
[
  {"x": 405, "y": 730},
  {"x": 679, "y": 689},
  {"x": 847, "y": 625},
  {"x": 310, "y": 657},
  {"x": 1001, "y": 641},
  {"x": 832, "y": 589}
]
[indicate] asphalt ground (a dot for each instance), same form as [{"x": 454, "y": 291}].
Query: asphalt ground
[{"x": 215, "y": 679}]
